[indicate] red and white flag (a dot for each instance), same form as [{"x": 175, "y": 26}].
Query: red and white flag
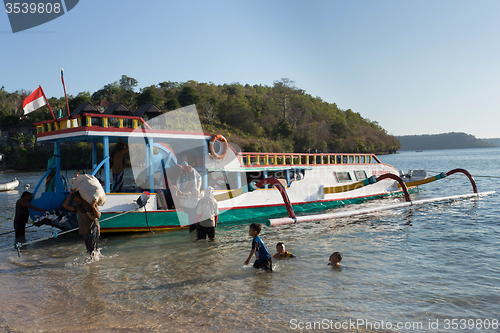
[{"x": 34, "y": 101}]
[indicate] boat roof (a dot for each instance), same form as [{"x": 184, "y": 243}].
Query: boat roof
[
  {"x": 149, "y": 109},
  {"x": 118, "y": 109},
  {"x": 84, "y": 108},
  {"x": 260, "y": 168},
  {"x": 91, "y": 127}
]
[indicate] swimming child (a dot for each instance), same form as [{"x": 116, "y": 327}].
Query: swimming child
[
  {"x": 282, "y": 253},
  {"x": 262, "y": 254},
  {"x": 335, "y": 259}
]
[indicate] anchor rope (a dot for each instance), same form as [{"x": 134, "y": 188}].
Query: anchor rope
[{"x": 17, "y": 246}]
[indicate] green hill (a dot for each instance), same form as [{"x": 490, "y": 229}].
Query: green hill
[
  {"x": 277, "y": 118},
  {"x": 496, "y": 142},
  {"x": 451, "y": 140}
]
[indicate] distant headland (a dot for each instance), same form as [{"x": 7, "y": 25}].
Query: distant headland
[{"x": 451, "y": 140}]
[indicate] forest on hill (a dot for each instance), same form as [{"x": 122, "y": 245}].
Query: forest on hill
[
  {"x": 495, "y": 141},
  {"x": 451, "y": 140},
  {"x": 277, "y": 118}
]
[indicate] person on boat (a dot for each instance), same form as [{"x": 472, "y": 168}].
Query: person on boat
[
  {"x": 282, "y": 253},
  {"x": 190, "y": 185},
  {"x": 262, "y": 254},
  {"x": 207, "y": 215},
  {"x": 118, "y": 168},
  {"x": 23, "y": 206},
  {"x": 181, "y": 180},
  {"x": 88, "y": 220},
  {"x": 190, "y": 178},
  {"x": 335, "y": 259}
]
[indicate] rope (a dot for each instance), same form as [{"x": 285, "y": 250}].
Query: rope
[
  {"x": 147, "y": 220},
  {"x": 472, "y": 175},
  {"x": 18, "y": 246},
  {"x": 8, "y": 232}
]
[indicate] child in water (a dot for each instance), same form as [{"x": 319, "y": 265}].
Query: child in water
[
  {"x": 282, "y": 253},
  {"x": 260, "y": 250},
  {"x": 335, "y": 259}
]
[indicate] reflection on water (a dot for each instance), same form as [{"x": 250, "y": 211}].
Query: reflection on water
[{"x": 422, "y": 263}]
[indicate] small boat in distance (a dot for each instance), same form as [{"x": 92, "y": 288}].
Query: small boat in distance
[{"x": 9, "y": 185}]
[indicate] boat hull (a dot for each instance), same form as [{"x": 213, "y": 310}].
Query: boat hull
[
  {"x": 9, "y": 186},
  {"x": 168, "y": 220}
]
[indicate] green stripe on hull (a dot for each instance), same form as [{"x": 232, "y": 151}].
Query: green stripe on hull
[
  {"x": 238, "y": 215},
  {"x": 136, "y": 221}
]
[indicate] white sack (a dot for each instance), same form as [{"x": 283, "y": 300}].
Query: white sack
[{"x": 90, "y": 188}]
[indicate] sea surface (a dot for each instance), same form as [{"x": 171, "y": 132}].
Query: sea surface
[{"x": 427, "y": 268}]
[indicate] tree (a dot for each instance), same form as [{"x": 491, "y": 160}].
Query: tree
[
  {"x": 149, "y": 95},
  {"x": 128, "y": 83},
  {"x": 188, "y": 96},
  {"x": 22, "y": 139},
  {"x": 82, "y": 97},
  {"x": 110, "y": 92},
  {"x": 208, "y": 111},
  {"x": 284, "y": 89},
  {"x": 172, "y": 104},
  {"x": 283, "y": 129}
]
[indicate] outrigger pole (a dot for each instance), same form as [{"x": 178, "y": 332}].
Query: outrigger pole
[
  {"x": 371, "y": 180},
  {"x": 320, "y": 217}
]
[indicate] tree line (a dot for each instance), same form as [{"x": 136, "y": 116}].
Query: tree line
[
  {"x": 452, "y": 140},
  {"x": 277, "y": 118}
]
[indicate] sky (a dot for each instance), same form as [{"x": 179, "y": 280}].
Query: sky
[{"x": 415, "y": 67}]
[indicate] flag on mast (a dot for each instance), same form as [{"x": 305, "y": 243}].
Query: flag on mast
[{"x": 34, "y": 101}]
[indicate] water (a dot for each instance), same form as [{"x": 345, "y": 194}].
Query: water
[{"x": 424, "y": 265}]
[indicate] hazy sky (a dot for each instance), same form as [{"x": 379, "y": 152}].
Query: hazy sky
[{"x": 415, "y": 67}]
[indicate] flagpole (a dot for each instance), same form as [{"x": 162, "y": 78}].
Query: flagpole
[
  {"x": 47, "y": 101},
  {"x": 62, "y": 78}
]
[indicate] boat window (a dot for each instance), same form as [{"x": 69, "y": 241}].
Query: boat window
[
  {"x": 360, "y": 174},
  {"x": 113, "y": 122},
  {"x": 94, "y": 121},
  {"x": 343, "y": 176}
]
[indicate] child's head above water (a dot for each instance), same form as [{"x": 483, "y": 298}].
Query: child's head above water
[
  {"x": 280, "y": 248},
  {"x": 335, "y": 258}
]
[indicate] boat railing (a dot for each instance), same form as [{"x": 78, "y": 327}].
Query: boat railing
[
  {"x": 91, "y": 119},
  {"x": 305, "y": 159}
]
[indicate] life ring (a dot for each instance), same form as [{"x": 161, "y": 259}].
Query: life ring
[{"x": 211, "y": 146}]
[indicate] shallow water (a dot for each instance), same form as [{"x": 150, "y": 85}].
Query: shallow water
[{"x": 412, "y": 266}]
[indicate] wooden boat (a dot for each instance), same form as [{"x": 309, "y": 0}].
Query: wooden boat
[
  {"x": 9, "y": 185},
  {"x": 248, "y": 185}
]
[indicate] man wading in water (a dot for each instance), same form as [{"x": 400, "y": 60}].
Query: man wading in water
[
  {"x": 23, "y": 206},
  {"x": 88, "y": 220}
]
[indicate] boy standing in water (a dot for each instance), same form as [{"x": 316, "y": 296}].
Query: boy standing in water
[{"x": 262, "y": 254}]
